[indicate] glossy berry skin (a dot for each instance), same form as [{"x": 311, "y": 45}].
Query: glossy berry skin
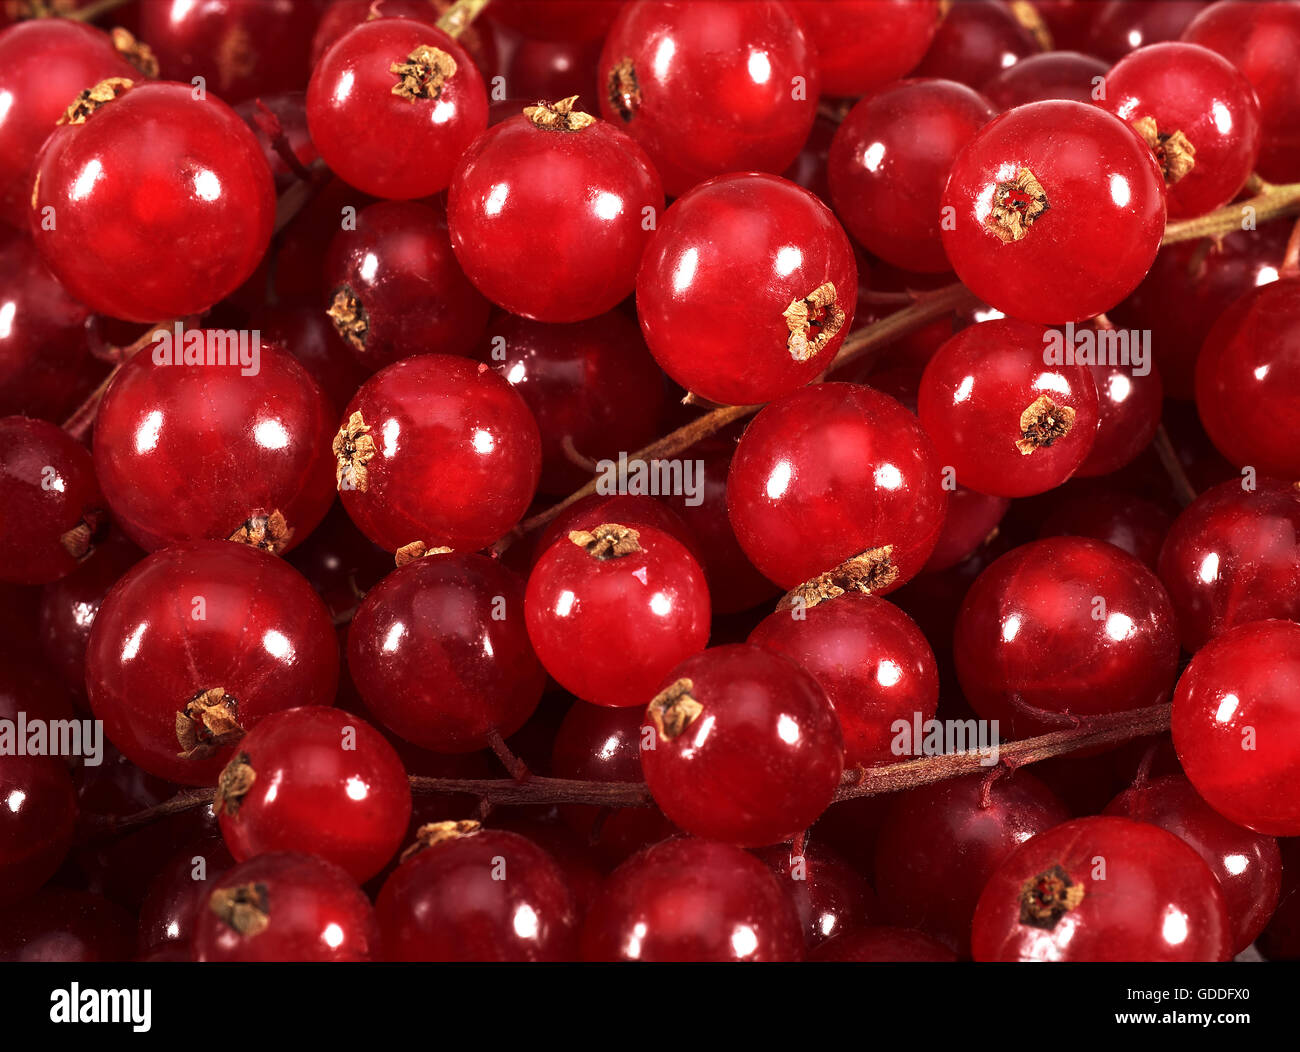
[
  {"x": 728, "y": 261},
  {"x": 1263, "y": 41},
  {"x": 450, "y": 457},
  {"x": 628, "y": 509},
  {"x": 565, "y": 205},
  {"x": 53, "y": 513},
  {"x": 1094, "y": 208},
  {"x": 1190, "y": 89},
  {"x": 1120, "y": 26},
  {"x": 1128, "y": 415},
  {"x": 286, "y": 907},
  {"x": 396, "y": 289},
  {"x": 829, "y": 894},
  {"x": 322, "y": 783},
  {"x": 1234, "y": 724},
  {"x": 940, "y": 843},
  {"x": 1105, "y": 513},
  {"x": 692, "y": 900},
  {"x": 191, "y": 619},
  {"x": 976, "y": 40},
  {"x": 1064, "y": 626},
  {"x": 1246, "y": 379},
  {"x": 758, "y": 756},
  {"x": 397, "y": 146},
  {"x": 191, "y": 452},
  {"x": 592, "y": 386},
  {"x": 871, "y": 660},
  {"x": 1051, "y": 75},
  {"x": 179, "y": 216},
  {"x": 1158, "y": 901},
  {"x": 709, "y": 87},
  {"x": 44, "y": 63},
  {"x": 340, "y": 16},
  {"x": 555, "y": 69},
  {"x": 1009, "y": 424},
  {"x": 310, "y": 336},
  {"x": 889, "y": 161},
  {"x": 798, "y": 513},
  {"x": 440, "y": 653},
  {"x": 864, "y": 44},
  {"x": 1248, "y": 865},
  {"x": 36, "y": 823},
  {"x": 609, "y": 627},
  {"x": 885, "y": 944},
  {"x": 972, "y": 521},
  {"x": 1233, "y": 556},
  {"x": 444, "y": 903}
]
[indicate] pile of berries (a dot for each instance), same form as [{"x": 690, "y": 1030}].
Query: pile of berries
[{"x": 584, "y": 480}]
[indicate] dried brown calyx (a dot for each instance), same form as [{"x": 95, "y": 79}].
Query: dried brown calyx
[
  {"x": 408, "y": 553},
  {"x": 136, "y": 52},
  {"x": 423, "y": 74},
  {"x": 1174, "y": 152},
  {"x": 354, "y": 448},
  {"x": 235, "y": 55},
  {"x": 1016, "y": 205},
  {"x": 673, "y": 709},
  {"x": 233, "y": 784},
  {"x": 209, "y": 721},
  {"x": 88, "y": 101},
  {"x": 608, "y": 541},
  {"x": 813, "y": 322},
  {"x": 272, "y": 533},
  {"x": 246, "y": 908},
  {"x": 559, "y": 116},
  {"x": 1048, "y": 897},
  {"x": 623, "y": 89},
  {"x": 1042, "y": 423},
  {"x": 349, "y": 317},
  {"x": 81, "y": 539},
  {"x": 436, "y": 832},
  {"x": 865, "y": 573}
]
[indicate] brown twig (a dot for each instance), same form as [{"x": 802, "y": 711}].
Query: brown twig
[
  {"x": 1183, "y": 488},
  {"x": 85, "y": 14},
  {"x": 1272, "y": 201},
  {"x": 460, "y": 15}
]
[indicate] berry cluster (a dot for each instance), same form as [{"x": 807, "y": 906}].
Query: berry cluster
[{"x": 377, "y": 473}]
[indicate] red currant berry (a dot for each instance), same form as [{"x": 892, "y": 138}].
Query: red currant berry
[
  {"x": 468, "y": 894},
  {"x": 1052, "y": 75},
  {"x": 1058, "y": 210},
  {"x": 198, "y": 643},
  {"x": 976, "y": 40},
  {"x": 1128, "y": 415},
  {"x": 308, "y": 334},
  {"x": 439, "y": 450},
  {"x": 692, "y": 900},
  {"x": 392, "y": 105},
  {"x": 1102, "y": 889},
  {"x": 1005, "y": 411},
  {"x": 747, "y": 289},
  {"x": 1247, "y": 377},
  {"x": 885, "y": 944},
  {"x": 1064, "y": 628},
  {"x": 747, "y": 748},
  {"x": 972, "y": 521},
  {"x": 170, "y": 910},
  {"x": 318, "y": 781},
  {"x": 1248, "y": 865},
  {"x": 862, "y": 45},
  {"x": 556, "y": 19},
  {"x": 55, "y": 925},
  {"x": 630, "y": 510},
  {"x": 710, "y": 87},
  {"x": 396, "y": 288},
  {"x": 1107, "y": 514},
  {"x": 611, "y": 610},
  {"x": 554, "y": 69},
  {"x": 829, "y": 894},
  {"x": 888, "y": 163},
  {"x": 53, "y": 511},
  {"x": 1068, "y": 21},
  {"x": 286, "y": 907},
  {"x": 940, "y": 843},
  {"x": 36, "y": 822},
  {"x": 440, "y": 653},
  {"x": 193, "y": 449},
  {"x": 871, "y": 660},
  {"x": 561, "y": 196},
  {"x": 1120, "y": 26},
  {"x": 144, "y": 226},
  {"x": 875, "y": 504},
  {"x": 340, "y": 16},
  {"x": 1234, "y": 724}
]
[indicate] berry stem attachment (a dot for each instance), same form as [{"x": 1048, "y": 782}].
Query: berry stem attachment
[
  {"x": 1183, "y": 488},
  {"x": 1273, "y": 200},
  {"x": 458, "y": 17}
]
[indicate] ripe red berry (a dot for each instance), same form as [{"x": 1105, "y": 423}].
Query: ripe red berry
[
  {"x": 561, "y": 196},
  {"x": 692, "y": 900},
  {"x": 143, "y": 226},
  {"x": 1235, "y": 725},
  {"x": 36, "y": 822},
  {"x": 972, "y": 520},
  {"x": 1052, "y": 75},
  {"x": 1102, "y": 889},
  {"x": 340, "y": 16},
  {"x": 1058, "y": 209},
  {"x": 195, "y": 645},
  {"x": 611, "y": 610},
  {"x": 975, "y": 41},
  {"x": 392, "y": 105},
  {"x": 1128, "y": 415},
  {"x": 747, "y": 289},
  {"x": 1119, "y": 26},
  {"x": 170, "y": 910},
  {"x": 862, "y": 45},
  {"x": 829, "y": 894},
  {"x": 437, "y": 449},
  {"x": 1106, "y": 513},
  {"x": 747, "y": 748}
]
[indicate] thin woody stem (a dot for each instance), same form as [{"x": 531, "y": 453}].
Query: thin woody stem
[{"x": 459, "y": 15}]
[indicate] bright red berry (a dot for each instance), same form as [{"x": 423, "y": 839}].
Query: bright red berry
[{"x": 862, "y": 45}]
